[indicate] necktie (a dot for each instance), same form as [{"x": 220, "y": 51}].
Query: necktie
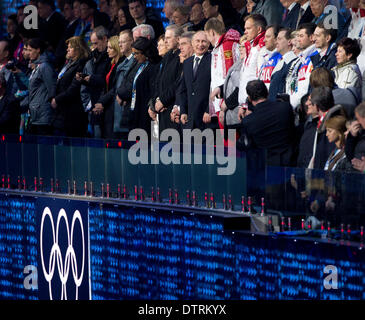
[
  {"x": 285, "y": 14},
  {"x": 300, "y": 15},
  {"x": 196, "y": 65}
]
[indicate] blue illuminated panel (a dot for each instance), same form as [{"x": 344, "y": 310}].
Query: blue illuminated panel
[
  {"x": 18, "y": 246},
  {"x": 144, "y": 254}
]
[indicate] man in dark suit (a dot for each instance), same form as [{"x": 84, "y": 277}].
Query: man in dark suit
[
  {"x": 9, "y": 109},
  {"x": 305, "y": 14},
  {"x": 51, "y": 25},
  {"x": 195, "y": 87},
  {"x": 268, "y": 125},
  {"x": 137, "y": 9},
  {"x": 291, "y": 13}
]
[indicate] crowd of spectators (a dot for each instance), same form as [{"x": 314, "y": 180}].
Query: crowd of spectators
[{"x": 286, "y": 74}]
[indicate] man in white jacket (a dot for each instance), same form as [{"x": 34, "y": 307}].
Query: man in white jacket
[
  {"x": 297, "y": 81},
  {"x": 255, "y": 26}
]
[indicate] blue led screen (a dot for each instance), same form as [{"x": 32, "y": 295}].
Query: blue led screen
[{"x": 139, "y": 253}]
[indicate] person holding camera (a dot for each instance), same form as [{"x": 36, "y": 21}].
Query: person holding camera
[
  {"x": 42, "y": 89},
  {"x": 267, "y": 125}
]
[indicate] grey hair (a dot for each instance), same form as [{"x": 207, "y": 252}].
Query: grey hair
[
  {"x": 188, "y": 35},
  {"x": 101, "y": 32},
  {"x": 178, "y": 31},
  {"x": 360, "y": 109},
  {"x": 146, "y": 30},
  {"x": 175, "y": 3}
]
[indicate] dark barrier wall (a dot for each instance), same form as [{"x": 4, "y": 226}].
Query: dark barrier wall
[{"x": 138, "y": 253}]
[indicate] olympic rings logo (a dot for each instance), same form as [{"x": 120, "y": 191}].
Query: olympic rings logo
[{"x": 55, "y": 255}]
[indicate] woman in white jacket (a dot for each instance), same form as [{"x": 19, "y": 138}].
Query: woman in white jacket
[{"x": 347, "y": 72}]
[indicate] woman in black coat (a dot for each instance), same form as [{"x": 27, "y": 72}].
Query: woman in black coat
[
  {"x": 146, "y": 54},
  {"x": 105, "y": 106},
  {"x": 70, "y": 118}
]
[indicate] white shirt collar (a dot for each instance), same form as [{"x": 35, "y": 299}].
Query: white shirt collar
[
  {"x": 291, "y": 7},
  {"x": 306, "y": 5},
  {"x": 49, "y": 17},
  {"x": 196, "y": 56}
]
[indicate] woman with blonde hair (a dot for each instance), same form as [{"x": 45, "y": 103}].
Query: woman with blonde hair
[
  {"x": 70, "y": 118},
  {"x": 335, "y": 133},
  {"x": 103, "y": 107}
]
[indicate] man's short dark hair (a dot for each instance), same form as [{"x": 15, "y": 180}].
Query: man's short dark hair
[
  {"x": 275, "y": 28},
  {"x": 256, "y": 90},
  {"x": 142, "y": 2},
  {"x": 322, "y": 97},
  {"x": 90, "y": 3},
  {"x": 328, "y": 32},
  {"x": 288, "y": 32},
  {"x": 309, "y": 28},
  {"x": 48, "y": 3},
  {"x": 258, "y": 19}
]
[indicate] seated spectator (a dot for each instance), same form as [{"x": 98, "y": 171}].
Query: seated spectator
[
  {"x": 70, "y": 118},
  {"x": 9, "y": 109},
  {"x": 106, "y": 109},
  {"x": 349, "y": 98},
  {"x": 181, "y": 17},
  {"x": 324, "y": 40},
  {"x": 347, "y": 73},
  {"x": 143, "y": 30},
  {"x": 137, "y": 9},
  {"x": 42, "y": 89},
  {"x": 197, "y": 18},
  {"x": 335, "y": 132}
]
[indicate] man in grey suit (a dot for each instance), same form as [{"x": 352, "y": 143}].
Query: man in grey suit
[
  {"x": 120, "y": 131},
  {"x": 272, "y": 10}
]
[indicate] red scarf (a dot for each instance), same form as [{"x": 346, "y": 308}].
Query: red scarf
[{"x": 108, "y": 75}]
